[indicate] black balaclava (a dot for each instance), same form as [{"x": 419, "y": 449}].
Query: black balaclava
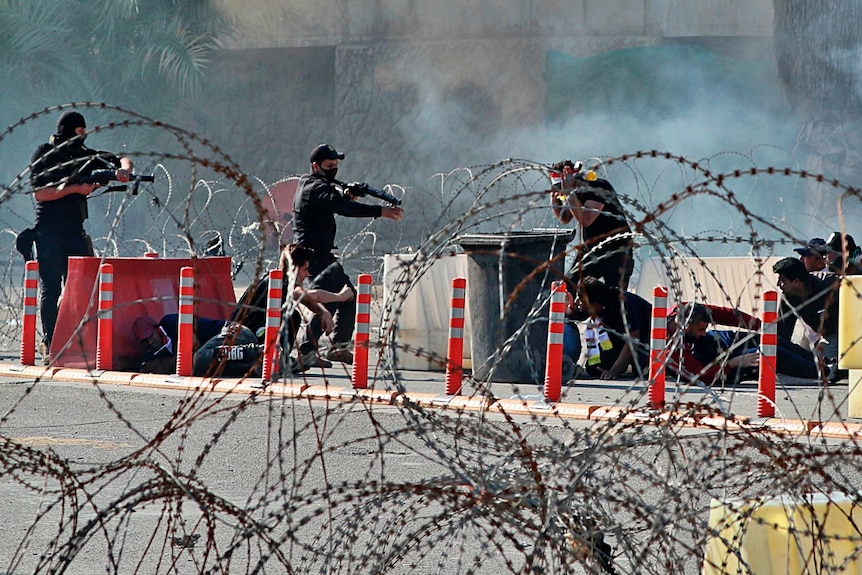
[
  {"x": 330, "y": 173},
  {"x": 67, "y": 124}
]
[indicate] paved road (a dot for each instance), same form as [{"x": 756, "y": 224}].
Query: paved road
[{"x": 134, "y": 473}]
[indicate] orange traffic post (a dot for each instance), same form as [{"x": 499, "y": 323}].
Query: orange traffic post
[
  {"x": 658, "y": 343},
  {"x": 273, "y": 323},
  {"x": 768, "y": 353},
  {"x": 28, "y": 327},
  {"x": 455, "y": 345},
  {"x": 105, "y": 325},
  {"x": 186, "y": 329},
  {"x": 556, "y": 326},
  {"x": 362, "y": 331}
]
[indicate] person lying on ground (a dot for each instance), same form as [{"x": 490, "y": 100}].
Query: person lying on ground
[
  {"x": 729, "y": 355},
  {"x": 159, "y": 340},
  {"x": 696, "y": 355}
]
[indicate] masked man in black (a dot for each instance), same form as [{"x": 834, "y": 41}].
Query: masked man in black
[
  {"x": 318, "y": 199},
  {"x": 61, "y": 206}
]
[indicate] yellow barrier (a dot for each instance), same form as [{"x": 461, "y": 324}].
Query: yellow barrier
[
  {"x": 782, "y": 536},
  {"x": 850, "y": 323},
  {"x": 850, "y": 339}
]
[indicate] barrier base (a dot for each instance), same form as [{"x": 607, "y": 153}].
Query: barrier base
[{"x": 854, "y": 399}]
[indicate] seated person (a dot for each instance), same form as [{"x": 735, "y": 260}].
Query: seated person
[
  {"x": 811, "y": 300},
  {"x": 618, "y": 328},
  {"x": 845, "y": 257},
  {"x": 159, "y": 340},
  {"x": 814, "y": 255}
]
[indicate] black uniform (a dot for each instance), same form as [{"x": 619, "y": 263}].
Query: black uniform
[
  {"x": 315, "y": 205},
  {"x": 60, "y": 223}
]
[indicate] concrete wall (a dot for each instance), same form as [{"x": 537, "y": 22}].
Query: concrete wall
[
  {"x": 273, "y": 23},
  {"x": 416, "y": 87}
]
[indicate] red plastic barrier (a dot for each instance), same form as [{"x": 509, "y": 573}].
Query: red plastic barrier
[
  {"x": 273, "y": 322},
  {"x": 768, "y": 352},
  {"x": 657, "y": 354},
  {"x": 556, "y": 327},
  {"x": 363, "y": 321},
  {"x": 455, "y": 348},
  {"x": 28, "y": 327},
  {"x": 142, "y": 287},
  {"x": 105, "y": 334},
  {"x": 278, "y": 204}
]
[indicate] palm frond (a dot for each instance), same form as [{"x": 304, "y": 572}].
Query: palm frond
[{"x": 179, "y": 56}]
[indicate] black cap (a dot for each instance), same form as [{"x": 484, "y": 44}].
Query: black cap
[
  {"x": 815, "y": 247},
  {"x": 324, "y": 152},
  {"x": 68, "y": 122}
]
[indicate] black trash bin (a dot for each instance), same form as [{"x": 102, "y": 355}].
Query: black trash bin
[{"x": 511, "y": 347}]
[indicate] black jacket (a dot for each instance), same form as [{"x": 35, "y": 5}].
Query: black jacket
[
  {"x": 52, "y": 165},
  {"x": 315, "y": 204}
]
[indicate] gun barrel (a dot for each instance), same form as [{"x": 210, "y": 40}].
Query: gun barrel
[
  {"x": 383, "y": 195},
  {"x": 363, "y": 189},
  {"x": 102, "y": 177}
]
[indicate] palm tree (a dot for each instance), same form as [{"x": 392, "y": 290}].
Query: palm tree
[{"x": 142, "y": 55}]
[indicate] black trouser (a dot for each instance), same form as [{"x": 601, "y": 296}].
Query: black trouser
[
  {"x": 324, "y": 272},
  {"x": 53, "y": 248},
  {"x": 790, "y": 358},
  {"x": 289, "y": 330}
]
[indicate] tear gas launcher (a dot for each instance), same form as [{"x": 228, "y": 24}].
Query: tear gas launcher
[
  {"x": 104, "y": 177},
  {"x": 360, "y": 189}
]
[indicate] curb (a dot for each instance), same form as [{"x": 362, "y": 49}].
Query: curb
[{"x": 458, "y": 403}]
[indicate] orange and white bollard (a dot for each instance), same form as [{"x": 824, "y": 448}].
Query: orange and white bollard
[
  {"x": 105, "y": 323},
  {"x": 455, "y": 345},
  {"x": 28, "y": 327},
  {"x": 273, "y": 323},
  {"x": 361, "y": 333},
  {"x": 768, "y": 354},
  {"x": 186, "y": 328},
  {"x": 658, "y": 343},
  {"x": 554, "y": 357}
]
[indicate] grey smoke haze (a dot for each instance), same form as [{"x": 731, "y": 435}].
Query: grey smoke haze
[{"x": 726, "y": 112}]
